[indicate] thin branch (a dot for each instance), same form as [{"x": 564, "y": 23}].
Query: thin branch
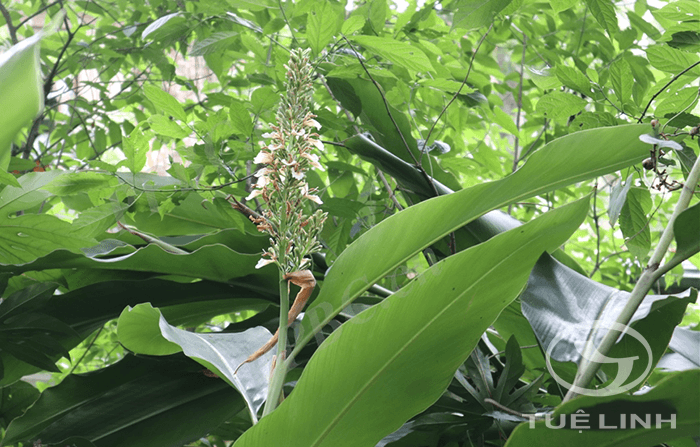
[
  {"x": 386, "y": 105},
  {"x": 389, "y": 190},
  {"x": 516, "y": 149},
  {"x": 87, "y": 349},
  {"x": 464, "y": 82},
  {"x": 668, "y": 84},
  {"x": 27, "y": 19},
  {"x": 8, "y": 21},
  {"x": 208, "y": 188}
]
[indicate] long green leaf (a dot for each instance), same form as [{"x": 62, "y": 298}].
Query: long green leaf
[
  {"x": 143, "y": 330},
  {"x": 677, "y": 395},
  {"x": 21, "y": 93},
  {"x": 137, "y": 402},
  {"x": 562, "y": 162},
  {"x": 215, "y": 262},
  {"x": 395, "y": 359},
  {"x": 25, "y": 238}
]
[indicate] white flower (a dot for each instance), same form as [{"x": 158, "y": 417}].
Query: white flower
[
  {"x": 298, "y": 133},
  {"x": 262, "y": 172},
  {"x": 263, "y": 262},
  {"x": 263, "y": 180},
  {"x": 254, "y": 194},
  {"x": 263, "y": 157},
  {"x": 315, "y": 143},
  {"x": 310, "y": 122},
  {"x": 314, "y": 198},
  {"x": 313, "y": 158},
  {"x": 298, "y": 175}
]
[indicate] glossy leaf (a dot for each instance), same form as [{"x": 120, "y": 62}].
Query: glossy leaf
[
  {"x": 686, "y": 230},
  {"x": 21, "y": 87},
  {"x": 25, "y": 238},
  {"x": 473, "y": 14},
  {"x": 161, "y": 403},
  {"x": 408, "y": 56},
  {"x": 562, "y": 162},
  {"x": 144, "y": 330},
  {"x": 677, "y": 394},
  {"x": 604, "y": 13},
  {"x": 378, "y": 386}
]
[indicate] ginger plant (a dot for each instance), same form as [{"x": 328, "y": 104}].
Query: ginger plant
[{"x": 281, "y": 184}]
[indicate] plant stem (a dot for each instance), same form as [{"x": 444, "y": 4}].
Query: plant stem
[
  {"x": 651, "y": 273},
  {"x": 280, "y": 370}
]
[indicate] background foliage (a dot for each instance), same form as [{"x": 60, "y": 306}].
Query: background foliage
[{"x": 126, "y": 125}]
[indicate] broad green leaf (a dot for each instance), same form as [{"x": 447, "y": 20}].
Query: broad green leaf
[
  {"x": 160, "y": 403},
  {"x": 363, "y": 95},
  {"x": 144, "y": 330},
  {"x": 559, "y": 105},
  {"x": 191, "y": 304},
  {"x": 423, "y": 341},
  {"x": 686, "y": 229},
  {"x": 78, "y": 182},
  {"x": 194, "y": 215},
  {"x": 685, "y": 342},
  {"x": 164, "y": 27},
  {"x": 677, "y": 394},
  {"x": 562, "y": 162},
  {"x": 622, "y": 80},
  {"x": 671, "y": 60},
  {"x": 162, "y": 125},
  {"x": 240, "y": 118},
  {"x": 93, "y": 222},
  {"x": 217, "y": 42},
  {"x": 547, "y": 304},
  {"x": 505, "y": 121},
  {"x": 562, "y": 5},
  {"x": 604, "y": 13},
  {"x": 573, "y": 78},
  {"x": 25, "y": 238},
  {"x": 353, "y": 24},
  {"x": 214, "y": 262},
  {"x": 634, "y": 222},
  {"x": 686, "y": 40},
  {"x": 543, "y": 79},
  {"x": 165, "y": 102},
  {"x": 322, "y": 24},
  {"x": 618, "y": 196},
  {"x": 135, "y": 147},
  {"x": 28, "y": 193},
  {"x": 408, "y": 56},
  {"x": 657, "y": 327},
  {"x": 676, "y": 102},
  {"x": 680, "y": 10},
  {"x": 20, "y": 91},
  {"x": 471, "y": 14}
]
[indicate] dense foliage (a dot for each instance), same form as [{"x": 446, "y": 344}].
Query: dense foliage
[{"x": 499, "y": 177}]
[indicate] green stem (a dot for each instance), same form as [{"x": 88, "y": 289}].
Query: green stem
[
  {"x": 280, "y": 371},
  {"x": 651, "y": 273}
]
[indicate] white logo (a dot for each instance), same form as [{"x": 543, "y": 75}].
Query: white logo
[{"x": 624, "y": 365}]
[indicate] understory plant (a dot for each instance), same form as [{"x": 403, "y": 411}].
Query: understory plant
[{"x": 499, "y": 202}]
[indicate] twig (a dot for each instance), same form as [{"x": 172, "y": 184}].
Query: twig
[
  {"x": 650, "y": 275},
  {"x": 520, "y": 105},
  {"x": 389, "y": 190},
  {"x": 8, "y": 21},
  {"x": 668, "y": 84},
  {"x": 207, "y": 188},
  {"x": 87, "y": 349},
  {"x": 464, "y": 82}
]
